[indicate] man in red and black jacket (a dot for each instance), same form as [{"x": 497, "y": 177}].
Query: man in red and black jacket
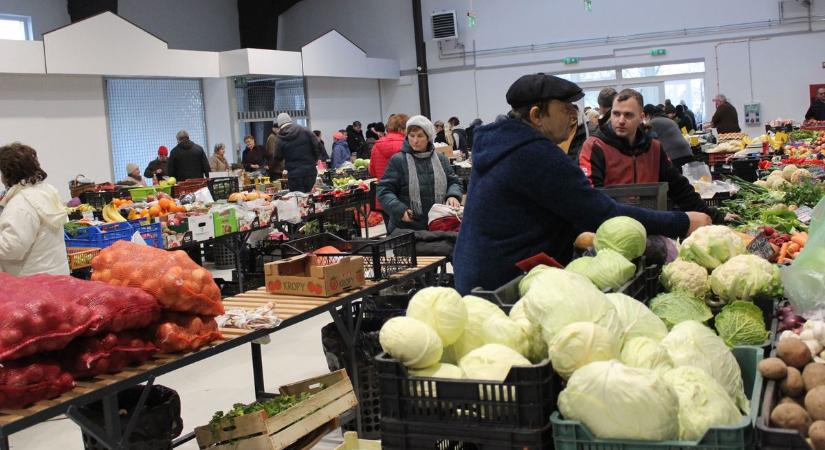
[{"x": 620, "y": 152}]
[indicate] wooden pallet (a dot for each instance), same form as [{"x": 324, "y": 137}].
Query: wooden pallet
[
  {"x": 332, "y": 396},
  {"x": 351, "y": 442}
]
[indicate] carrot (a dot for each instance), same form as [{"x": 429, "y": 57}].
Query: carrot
[
  {"x": 794, "y": 247},
  {"x": 783, "y": 252},
  {"x": 800, "y": 238}
]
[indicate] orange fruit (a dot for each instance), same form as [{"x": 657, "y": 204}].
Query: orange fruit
[
  {"x": 154, "y": 211},
  {"x": 164, "y": 204}
]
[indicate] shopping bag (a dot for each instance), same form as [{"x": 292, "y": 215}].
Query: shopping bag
[{"x": 804, "y": 280}]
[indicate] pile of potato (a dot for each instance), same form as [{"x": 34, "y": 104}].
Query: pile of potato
[{"x": 802, "y": 384}]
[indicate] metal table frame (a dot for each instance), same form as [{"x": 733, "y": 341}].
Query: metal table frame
[{"x": 113, "y": 438}]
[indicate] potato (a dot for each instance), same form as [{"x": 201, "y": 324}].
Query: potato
[
  {"x": 794, "y": 400},
  {"x": 794, "y": 352},
  {"x": 792, "y": 385},
  {"x": 791, "y": 416},
  {"x": 815, "y": 403},
  {"x": 585, "y": 240},
  {"x": 773, "y": 368},
  {"x": 813, "y": 375},
  {"x": 817, "y": 435}
]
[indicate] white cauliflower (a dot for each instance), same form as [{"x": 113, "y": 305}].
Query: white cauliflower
[{"x": 686, "y": 276}]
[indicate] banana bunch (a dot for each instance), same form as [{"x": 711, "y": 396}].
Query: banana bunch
[{"x": 111, "y": 214}]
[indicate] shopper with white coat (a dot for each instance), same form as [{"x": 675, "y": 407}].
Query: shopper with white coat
[{"x": 32, "y": 219}]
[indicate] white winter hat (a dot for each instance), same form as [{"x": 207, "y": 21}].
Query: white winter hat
[
  {"x": 283, "y": 119},
  {"x": 423, "y": 123}
]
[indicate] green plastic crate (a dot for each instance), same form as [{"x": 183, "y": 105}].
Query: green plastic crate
[
  {"x": 572, "y": 435},
  {"x": 140, "y": 194}
]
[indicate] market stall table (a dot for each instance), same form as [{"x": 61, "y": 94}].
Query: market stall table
[{"x": 290, "y": 309}]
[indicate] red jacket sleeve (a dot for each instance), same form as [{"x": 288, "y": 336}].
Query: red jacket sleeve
[{"x": 591, "y": 161}]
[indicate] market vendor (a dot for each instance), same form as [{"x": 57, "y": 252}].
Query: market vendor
[
  {"x": 157, "y": 167},
  {"x": 133, "y": 177},
  {"x": 621, "y": 152},
  {"x": 254, "y": 156},
  {"x": 817, "y": 109},
  {"x": 31, "y": 225},
  {"x": 527, "y": 197},
  {"x": 725, "y": 119},
  {"x": 417, "y": 178}
]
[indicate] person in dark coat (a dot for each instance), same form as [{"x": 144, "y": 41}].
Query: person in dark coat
[
  {"x": 682, "y": 120},
  {"x": 689, "y": 115},
  {"x": 473, "y": 125},
  {"x": 817, "y": 109},
  {"x": 417, "y": 178},
  {"x": 275, "y": 167},
  {"x": 527, "y": 197},
  {"x": 324, "y": 154},
  {"x": 187, "y": 160},
  {"x": 605, "y": 101},
  {"x": 440, "y": 137},
  {"x": 254, "y": 156},
  {"x": 620, "y": 153},
  {"x": 725, "y": 119},
  {"x": 670, "y": 137},
  {"x": 459, "y": 136},
  {"x": 300, "y": 150},
  {"x": 157, "y": 167},
  {"x": 355, "y": 136}
]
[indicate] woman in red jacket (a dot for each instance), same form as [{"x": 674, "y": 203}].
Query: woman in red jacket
[{"x": 385, "y": 147}]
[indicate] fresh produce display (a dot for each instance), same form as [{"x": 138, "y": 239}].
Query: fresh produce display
[
  {"x": 676, "y": 307},
  {"x": 109, "y": 353},
  {"x": 34, "y": 320},
  {"x": 745, "y": 277},
  {"x": 491, "y": 362},
  {"x": 801, "y": 383},
  {"x": 711, "y": 246},
  {"x": 636, "y": 319},
  {"x": 271, "y": 407},
  {"x": 579, "y": 344},
  {"x": 646, "y": 353},
  {"x": 182, "y": 332},
  {"x": 442, "y": 309},
  {"x": 26, "y": 381},
  {"x": 411, "y": 341},
  {"x": 622, "y": 234},
  {"x": 686, "y": 276},
  {"x": 248, "y": 196},
  {"x": 607, "y": 270},
  {"x": 703, "y": 402},
  {"x": 361, "y": 163},
  {"x": 115, "y": 308},
  {"x": 171, "y": 277},
  {"x": 741, "y": 323}
]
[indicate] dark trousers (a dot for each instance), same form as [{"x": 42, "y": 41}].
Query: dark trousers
[{"x": 301, "y": 184}]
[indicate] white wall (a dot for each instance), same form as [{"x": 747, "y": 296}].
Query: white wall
[
  {"x": 183, "y": 24},
  {"x": 63, "y": 118},
  {"x": 782, "y": 67},
  {"x": 217, "y": 112},
  {"x": 335, "y": 103}
]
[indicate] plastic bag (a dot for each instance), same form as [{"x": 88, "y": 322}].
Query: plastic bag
[
  {"x": 34, "y": 320},
  {"x": 118, "y": 308},
  {"x": 804, "y": 280},
  {"x": 110, "y": 353},
  {"x": 27, "y": 381},
  {"x": 171, "y": 277},
  {"x": 184, "y": 333}
]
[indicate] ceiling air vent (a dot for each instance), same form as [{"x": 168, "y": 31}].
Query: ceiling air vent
[{"x": 444, "y": 25}]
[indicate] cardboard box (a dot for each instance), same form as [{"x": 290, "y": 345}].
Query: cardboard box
[
  {"x": 225, "y": 221},
  {"x": 301, "y": 275},
  {"x": 202, "y": 227},
  {"x": 445, "y": 150}
]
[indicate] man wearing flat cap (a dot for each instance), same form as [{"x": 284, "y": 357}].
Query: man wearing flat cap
[{"x": 528, "y": 197}]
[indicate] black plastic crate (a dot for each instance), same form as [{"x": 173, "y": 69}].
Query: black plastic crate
[
  {"x": 99, "y": 199},
  {"x": 525, "y": 399},
  {"x": 397, "y": 435},
  {"x": 746, "y": 168},
  {"x": 373, "y": 311},
  {"x": 221, "y": 188},
  {"x": 717, "y": 199},
  {"x": 647, "y": 195},
  {"x": 382, "y": 257}
]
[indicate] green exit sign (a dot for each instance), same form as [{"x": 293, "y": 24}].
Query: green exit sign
[
  {"x": 570, "y": 60},
  {"x": 658, "y": 52}
]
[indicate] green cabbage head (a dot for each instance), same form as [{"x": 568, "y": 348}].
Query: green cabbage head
[
  {"x": 411, "y": 342},
  {"x": 527, "y": 281},
  {"x": 744, "y": 277},
  {"x": 607, "y": 270},
  {"x": 491, "y": 362},
  {"x": 579, "y": 344},
  {"x": 442, "y": 309},
  {"x": 676, "y": 307},
  {"x": 741, "y": 323},
  {"x": 559, "y": 298},
  {"x": 501, "y": 329},
  {"x": 615, "y": 401},
  {"x": 478, "y": 312},
  {"x": 636, "y": 319},
  {"x": 711, "y": 246},
  {"x": 686, "y": 276},
  {"x": 703, "y": 402},
  {"x": 646, "y": 353},
  {"x": 440, "y": 370},
  {"x": 691, "y": 343},
  {"x": 625, "y": 235},
  {"x": 537, "y": 348}
]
